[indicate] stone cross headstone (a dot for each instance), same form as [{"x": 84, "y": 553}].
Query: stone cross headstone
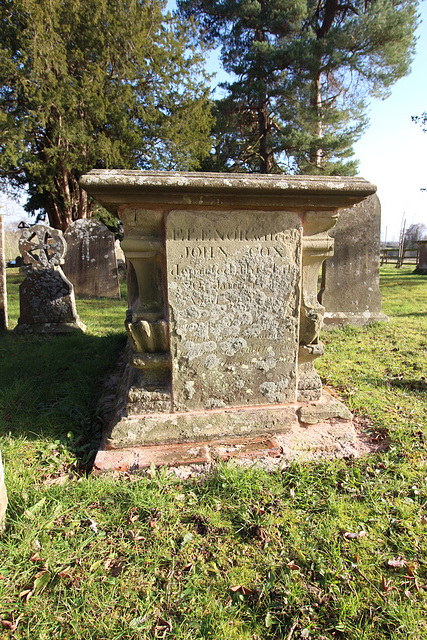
[
  {"x": 46, "y": 296},
  {"x": 351, "y": 277},
  {"x": 3, "y": 290},
  {"x": 90, "y": 262},
  {"x": 421, "y": 267},
  {"x": 223, "y": 315}
]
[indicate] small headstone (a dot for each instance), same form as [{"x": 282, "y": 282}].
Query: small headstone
[
  {"x": 351, "y": 277},
  {"x": 3, "y": 497},
  {"x": 90, "y": 262},
  {"x": 3, "y": 292},
  {"x": 421, "y": 268},
  {"x": 46, "y": 296}
]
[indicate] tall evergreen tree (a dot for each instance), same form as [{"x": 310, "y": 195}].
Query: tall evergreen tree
[
  {"x": 304, "y": 72},
  {"x": 95, "y": 84}
]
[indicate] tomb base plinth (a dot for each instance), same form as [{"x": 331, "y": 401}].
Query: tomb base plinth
[{"x": 295, "y": 431}]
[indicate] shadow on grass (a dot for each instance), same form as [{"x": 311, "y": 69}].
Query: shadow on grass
[
  {"x": 51, "y": 387},
  {"x": 416, "y": 314}
]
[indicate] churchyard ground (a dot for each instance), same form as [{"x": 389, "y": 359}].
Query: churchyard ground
[{"x": 325, "y": 550}]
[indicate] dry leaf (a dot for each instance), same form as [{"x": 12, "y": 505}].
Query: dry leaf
[
  {"x": 26, "y": 594},
  {"x": 396, "y": 563},
  {"x": 241, "y": 589},
  {"x": 354, "y": 536}
]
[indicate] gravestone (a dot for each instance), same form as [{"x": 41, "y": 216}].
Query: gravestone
[
  {"x": 90, "y": 262},
  {"x": 350, "y": 280},
  {"x": 46, "y": 296},
  {"x": 421, "y": 267},
  {"x": 3, "y": 290},
  {"x": 223, "y": 317}
]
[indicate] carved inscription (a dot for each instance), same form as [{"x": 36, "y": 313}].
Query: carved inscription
[{"x": 233, "y": 299}]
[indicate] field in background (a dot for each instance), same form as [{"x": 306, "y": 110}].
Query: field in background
[{"x": 327, "y": 550}]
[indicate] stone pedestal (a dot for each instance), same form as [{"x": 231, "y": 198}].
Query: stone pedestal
[
  {"x": 223, "y": 316},
  {"x": 421, "y": 267},
  {"x": 351, "y": 276}
]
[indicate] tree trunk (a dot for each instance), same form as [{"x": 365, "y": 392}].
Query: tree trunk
[
  {"x": 316, "y": 155},
  {"x": 265, "y": 163},
  {"x": 74, "y": 203}
]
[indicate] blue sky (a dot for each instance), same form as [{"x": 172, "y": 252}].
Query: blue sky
[{"x": 392, "y": 152}]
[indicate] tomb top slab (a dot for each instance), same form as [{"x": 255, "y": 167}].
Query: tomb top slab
[{"x": 114, "y": 188}]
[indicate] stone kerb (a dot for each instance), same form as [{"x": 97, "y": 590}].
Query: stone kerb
[
  {"x": 46, "y": 296},
  {"x": 223, "y": 316}
]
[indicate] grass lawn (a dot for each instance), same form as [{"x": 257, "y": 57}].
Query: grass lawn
[{"x": 326, "y": 550}]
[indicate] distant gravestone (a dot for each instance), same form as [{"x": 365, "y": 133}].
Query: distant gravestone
[
  {"x": 3, "y": 293},
  {"x": 421, "y": 268},
  {"x": 90, "y": 262},
  {"x": 350, "y": 288},
  {"x": 46, "y": 296}
]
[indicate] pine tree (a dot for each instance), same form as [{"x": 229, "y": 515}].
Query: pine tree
[
  {"x": 304, "y": 72},
  {"x": 95, "y": 84}
]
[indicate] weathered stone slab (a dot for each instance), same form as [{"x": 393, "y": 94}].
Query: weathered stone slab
[
  {"x": 234, "y": 296},
  {"x": 421, "y": 267},
  {"x": 3, "y": 291},
  {"x": 90, "y": 262},
  {"x": 351, "y": 276}
]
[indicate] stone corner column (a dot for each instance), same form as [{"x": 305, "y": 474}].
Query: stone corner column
[
  {"x": 146, "y": 318},
  {"x": 317, "y": 246}
]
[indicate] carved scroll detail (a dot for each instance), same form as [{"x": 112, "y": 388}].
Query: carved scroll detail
[{"x": 317, "y": 246}]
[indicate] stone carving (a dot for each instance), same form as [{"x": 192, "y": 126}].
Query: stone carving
[
  {"x": 46, "y": 296},
  {"x": 351, "y": 276},
  {"x": 90, "y": 262},
  {"x": 3, "y": 291},
  {"x": 317, "y": 246},
  {"x": 223, "y": 318},
  {"x": 42, "y": 247}
]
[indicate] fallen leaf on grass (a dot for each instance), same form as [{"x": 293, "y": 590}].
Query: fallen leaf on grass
[
  {"x": 241, "y": 589},
  {"x": 26, "y": 594},
  {"x": 41, "y": 581},
  {"x": 353, "y": 536},
  {"x": 58, "y": 480},
  {"x": 6, "y": 624},
  {"x": 114, "y": 567},
  {"x": 387, "y": 586},
  {"x": 397, "y": 563},
  {"x": 136, "y": 537}
]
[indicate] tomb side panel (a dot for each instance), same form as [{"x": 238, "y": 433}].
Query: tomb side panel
[{"x": 233, "y": 286}]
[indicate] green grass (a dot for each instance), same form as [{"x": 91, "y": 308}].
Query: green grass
[{"x": 237, "y": 554}]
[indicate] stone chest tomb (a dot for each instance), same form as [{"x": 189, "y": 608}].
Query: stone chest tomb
[{"x": 223, "y": 317}]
